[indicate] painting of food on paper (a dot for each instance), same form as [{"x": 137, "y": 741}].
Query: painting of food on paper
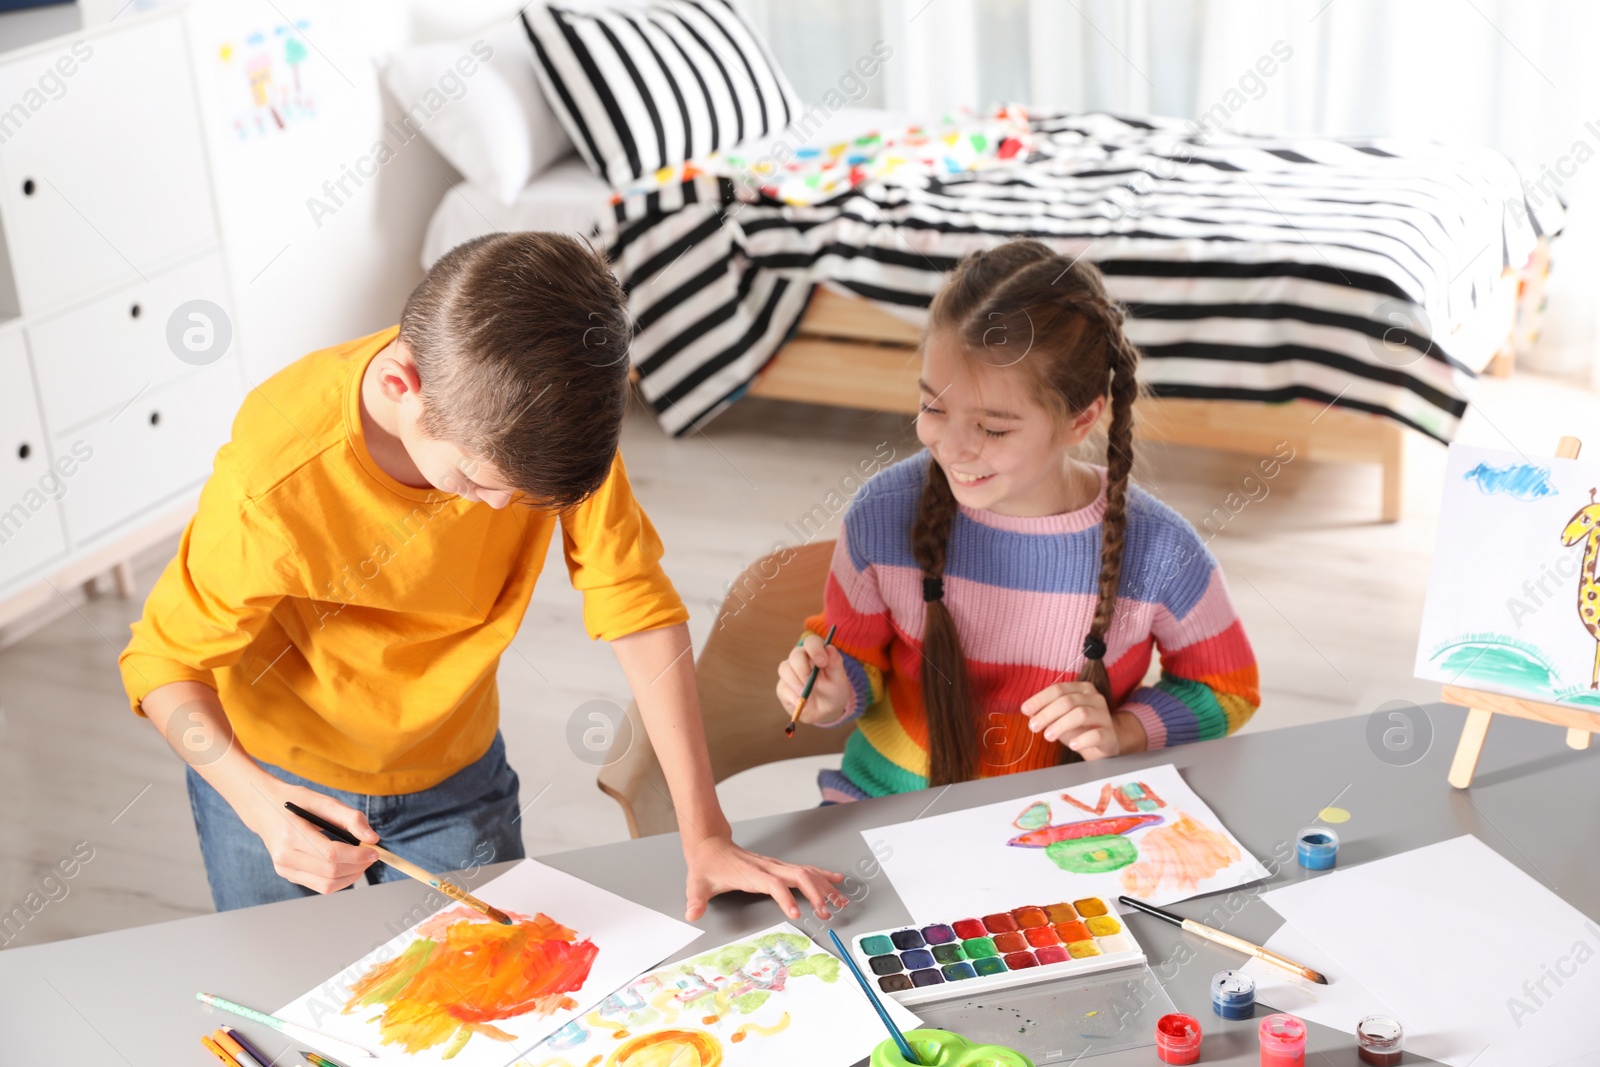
[
  {"x": 774, "y": 997},
  {"x": 1145, "y": 834},
  {"x": 460, "y": 988},
  {"x": 1513, "y": 600}
]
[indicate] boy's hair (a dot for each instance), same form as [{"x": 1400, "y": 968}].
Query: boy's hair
[
  {"x": 521, "y": 344},
  {"x": 1022, "y": 305}
]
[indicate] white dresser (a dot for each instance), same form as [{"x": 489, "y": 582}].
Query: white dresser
[{"x": 111, "y": 408}]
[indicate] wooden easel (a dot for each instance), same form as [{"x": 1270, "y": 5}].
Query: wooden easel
[{"x": 1482, "y": 707}]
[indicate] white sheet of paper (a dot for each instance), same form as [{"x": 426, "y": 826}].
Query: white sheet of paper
[
  {"x": 1479, "y": 962},
  {"x": 772, "y": 997},
  {"x": 1340, "y": 1004},
  {"x": 961, "y": 864},
  {"x": 1507, "y": 592},
  {"x": 522, "y": 982}
]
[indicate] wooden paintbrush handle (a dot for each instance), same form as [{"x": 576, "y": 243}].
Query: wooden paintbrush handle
[
  {"x": 404, "y": 866},
  {"x": 1239, "y": 944},
  {"x": 454, "y": 892}
]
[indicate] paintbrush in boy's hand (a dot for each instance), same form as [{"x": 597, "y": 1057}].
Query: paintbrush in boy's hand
[
  {"x": 811, "y": 681},
  {"x": 406, "y": 867}
]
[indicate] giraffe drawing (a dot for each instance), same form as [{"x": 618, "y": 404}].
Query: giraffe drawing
[{"x": 1585, "y": 527}]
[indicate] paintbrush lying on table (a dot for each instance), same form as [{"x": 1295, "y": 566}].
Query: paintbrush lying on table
[
  {"x": 1249, "y": 948},
  {"x": 406, "y": 867}
]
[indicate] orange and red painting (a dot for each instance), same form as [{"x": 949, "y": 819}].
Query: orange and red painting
[{"x": 464, "y": 973}]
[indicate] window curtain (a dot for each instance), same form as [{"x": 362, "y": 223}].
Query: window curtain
[{"x": 1510, "y": 74}]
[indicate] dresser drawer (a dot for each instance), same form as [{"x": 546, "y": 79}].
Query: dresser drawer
[
  {"x": 107, "y": 180},
  {"x": 30, "y": 488},
  {"x": 157, "y": 447},
  {"x": 96, "y": 358}
]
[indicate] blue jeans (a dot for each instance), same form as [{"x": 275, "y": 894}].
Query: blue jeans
[{"x": 469, "y": 819}]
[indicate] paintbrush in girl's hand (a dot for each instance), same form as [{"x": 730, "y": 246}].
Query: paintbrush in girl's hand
[
  {"x": 1212, "y": 934},
  {"x": 406, "y": 867},
  {"x": 805, "y": 694}
]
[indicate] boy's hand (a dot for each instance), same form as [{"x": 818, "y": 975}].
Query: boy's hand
[
  {"x": 717, "y": 865},
  {"x": 190, "y": 716},
  {"x": 1076, "y": 715},
  {"x": 829, "y": 697},
  {"x": 301, "y": 852}
]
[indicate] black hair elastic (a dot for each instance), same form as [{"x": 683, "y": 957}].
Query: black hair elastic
[
  {"x": 1093, "y": 648},
  {"x": 932, "y": 588}
]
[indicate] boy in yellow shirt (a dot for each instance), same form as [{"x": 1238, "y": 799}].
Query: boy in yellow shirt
[{"x": 363, "y": 553}]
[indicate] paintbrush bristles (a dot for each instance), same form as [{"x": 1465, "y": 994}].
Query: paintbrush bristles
[
  {"x": 788, "y": 731},
  {"x": 457, "y": 893}
]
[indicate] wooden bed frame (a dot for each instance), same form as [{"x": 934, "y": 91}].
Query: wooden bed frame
[{"x": 851, "y": 353}]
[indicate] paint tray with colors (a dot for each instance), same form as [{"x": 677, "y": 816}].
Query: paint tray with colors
[{"x": 970, "y": 956}]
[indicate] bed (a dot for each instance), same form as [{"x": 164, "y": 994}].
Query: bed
[{"x": 1302, "y": 314}]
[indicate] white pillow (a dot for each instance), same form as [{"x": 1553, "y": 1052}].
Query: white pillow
[{"x": 477, "y": 101}]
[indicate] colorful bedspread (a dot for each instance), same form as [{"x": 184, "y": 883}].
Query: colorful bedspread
[{"x": 1338, "y": 271}]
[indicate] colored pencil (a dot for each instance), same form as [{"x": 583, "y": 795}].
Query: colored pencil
[
  {"x": 219, "y": 1052},
  {"x": 315, "y": 1060},
  {"x": 1249, "y": 948},
  {"x": 233, "y": 1048},
  {"x": 805, "y": 694},
  {"x": 872, "y": 998},
  {"x": 239, "y": 1039},
  {"x": 295, "y": 1030},
  {"x": 404, "y": 866}
]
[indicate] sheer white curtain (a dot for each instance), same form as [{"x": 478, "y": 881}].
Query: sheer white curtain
[{"x": 1511, "y": 74}]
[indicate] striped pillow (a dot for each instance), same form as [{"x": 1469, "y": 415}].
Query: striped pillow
[{"x": 647, "y": 87}]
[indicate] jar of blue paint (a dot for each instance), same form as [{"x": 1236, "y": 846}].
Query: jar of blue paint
[
  {"x": 1233, "y": 995},
  {"x": 1317, "y": 848}
]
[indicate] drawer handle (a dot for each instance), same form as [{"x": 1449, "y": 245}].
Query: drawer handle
[
  {"x": 24, "y": 450},
  {"x": 133, "y": 311},
  {"x": 27, "y": 187},
  {"x": 155, "y": 418}
]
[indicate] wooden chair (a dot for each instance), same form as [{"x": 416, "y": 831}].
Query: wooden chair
[{"x": 736, "y": 672}]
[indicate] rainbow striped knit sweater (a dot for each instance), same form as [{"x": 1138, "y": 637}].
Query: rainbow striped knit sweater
[{"x": 1022, "y": 593}]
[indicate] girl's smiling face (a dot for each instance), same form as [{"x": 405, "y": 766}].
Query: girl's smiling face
[{"x": 1001, "y": 449}]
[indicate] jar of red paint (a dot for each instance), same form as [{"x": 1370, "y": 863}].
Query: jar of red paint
[
  {"x": 1283, "y": 1041},
  {"x": 1178, "y": 1038}
]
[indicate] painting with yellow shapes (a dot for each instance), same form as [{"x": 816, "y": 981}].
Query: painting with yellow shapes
[
  {"x": 459, "y": 988},
  {"x": 1513, "y": 601},
  {"x": 773, "y": 997},
  {"x": 1143, "y": 833}
]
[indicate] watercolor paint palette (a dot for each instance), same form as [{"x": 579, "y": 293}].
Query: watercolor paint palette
[{"x": 1033, "y": 943}]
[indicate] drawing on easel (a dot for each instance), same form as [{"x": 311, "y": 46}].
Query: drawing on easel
[
  {"x": 1513, "y": 602},
  {"x": 771, "y": 998}
]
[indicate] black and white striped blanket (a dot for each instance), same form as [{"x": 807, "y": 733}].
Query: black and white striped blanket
[{"x": 1254, "y": 268}]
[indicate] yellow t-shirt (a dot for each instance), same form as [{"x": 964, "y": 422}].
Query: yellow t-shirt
[{"x": 352, "y": 625}]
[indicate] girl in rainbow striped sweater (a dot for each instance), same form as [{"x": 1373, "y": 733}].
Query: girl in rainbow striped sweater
[{"x": 997, "y": 600}]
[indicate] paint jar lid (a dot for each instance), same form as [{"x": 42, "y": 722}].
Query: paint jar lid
[
  {"x": 1282, "y": 1033},
  {"x": 1380, "y": 1033},
  {"x": 1178, "y": 1033},
  {"x": 1319, "y": 837},
  {"x": 1233, "y": 987}
]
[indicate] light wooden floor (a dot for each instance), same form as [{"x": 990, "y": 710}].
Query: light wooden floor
[{"x": 1331, "y": 601}]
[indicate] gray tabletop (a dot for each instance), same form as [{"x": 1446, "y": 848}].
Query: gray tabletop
[{"x": 128, "y": 996}]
